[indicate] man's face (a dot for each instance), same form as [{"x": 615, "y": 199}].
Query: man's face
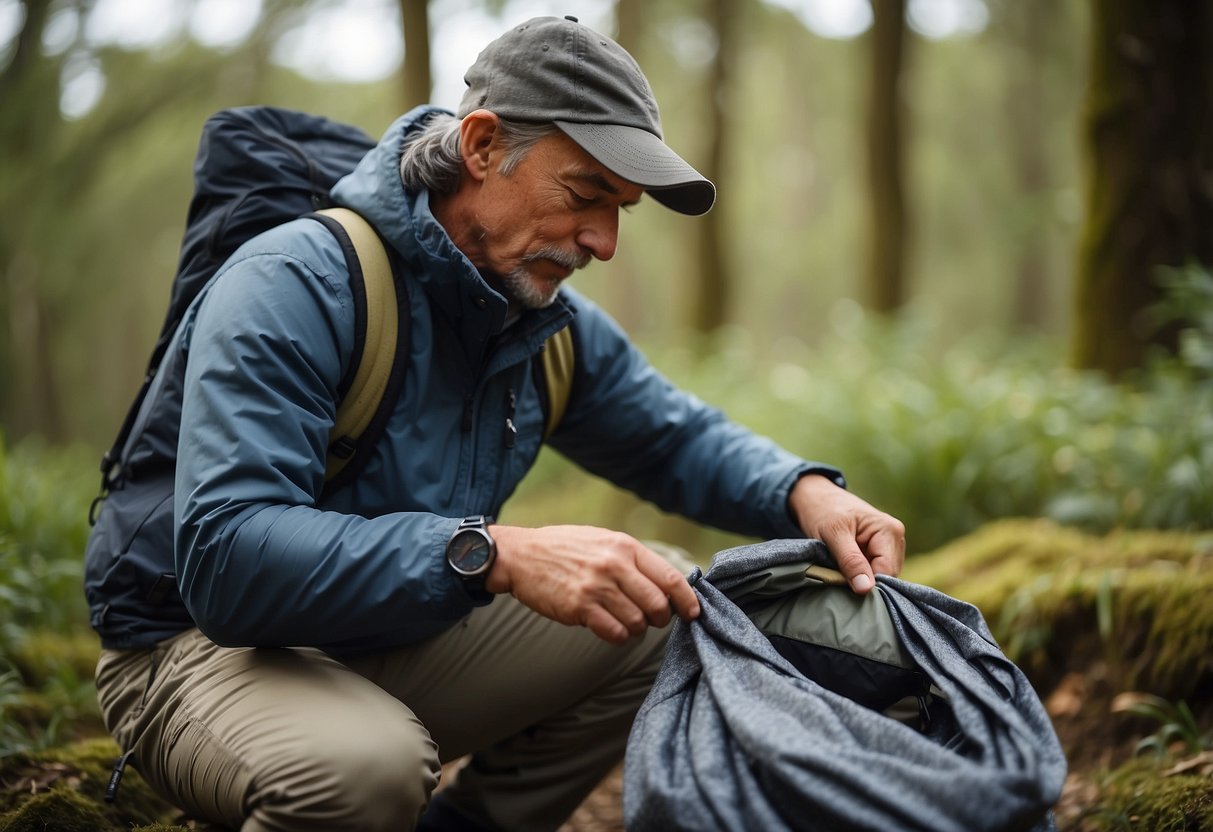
[{"x": 555, "y": 211}]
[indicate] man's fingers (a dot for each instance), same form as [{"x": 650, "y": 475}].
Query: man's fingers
[
  {"x": 683, "y": 599},
  {"x": 852, "y": 563},
  {"x": 648, "y": 597},
  {"x": 604, "y": 625},
  {"x": 673, "y": 586},
  {"x": 886, "y": 547}
]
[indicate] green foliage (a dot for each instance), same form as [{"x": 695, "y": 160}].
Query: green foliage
[
  {"x": 948, "y": 438},
  {"x": 1188, "y": 302},
  {"x": 1177, "y": 726},
  {"x": 46, "y": 651},
  {"x": 44, "y": 498}
]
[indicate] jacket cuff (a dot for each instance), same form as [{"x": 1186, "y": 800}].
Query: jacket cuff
[{"x": 828, "y": 471}]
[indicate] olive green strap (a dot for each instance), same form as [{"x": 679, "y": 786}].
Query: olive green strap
[
  {"x": 558, "y": 373},
  {"x": 362, "y": 401}
]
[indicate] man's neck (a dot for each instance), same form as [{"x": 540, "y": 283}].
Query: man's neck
[{"x": 460, "y": 225}]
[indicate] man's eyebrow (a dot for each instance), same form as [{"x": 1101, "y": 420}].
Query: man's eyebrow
[{"x": 596, "y": 179}]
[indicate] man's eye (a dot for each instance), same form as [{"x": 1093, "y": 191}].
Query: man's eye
[{"x": 579, "y": 199}]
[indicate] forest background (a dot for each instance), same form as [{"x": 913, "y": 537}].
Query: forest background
[
  {"x": 961, "y": 248},
  {"x": 934, "y": 217}
]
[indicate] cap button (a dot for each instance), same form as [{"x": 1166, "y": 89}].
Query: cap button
[{"x": 570, "y": 17}]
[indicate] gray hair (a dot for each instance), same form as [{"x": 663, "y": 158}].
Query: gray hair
[{"x": 431, "y": 159}]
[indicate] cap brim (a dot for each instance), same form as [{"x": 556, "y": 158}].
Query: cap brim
[{"x": 645, "y": 160}]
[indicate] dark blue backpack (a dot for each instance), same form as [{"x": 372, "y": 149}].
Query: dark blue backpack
[{"x": 256, "y": 168}]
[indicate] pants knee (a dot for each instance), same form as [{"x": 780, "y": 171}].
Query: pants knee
[{"x": 378, "y": 784}]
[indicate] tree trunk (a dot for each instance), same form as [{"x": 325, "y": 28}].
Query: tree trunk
[
  {"x": 888, "y": 234},
  {"x": 418, "y": 82},
  {"x": 712, "y": 297},
  {"x": 29, "y": 90},
  {"x": 1029, "y": 26},
  {"x": 1148, "y": 139},
  {"x": 629, "y": 25}
]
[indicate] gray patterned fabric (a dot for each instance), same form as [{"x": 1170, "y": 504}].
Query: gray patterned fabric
[{"x": 733, "y": 737}]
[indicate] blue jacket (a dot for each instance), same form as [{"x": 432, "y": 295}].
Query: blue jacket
[{"x": 232, "y": 460}]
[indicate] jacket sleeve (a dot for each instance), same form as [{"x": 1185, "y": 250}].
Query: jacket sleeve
[
  {"x": 630, "y": 425},
  {"x": 257, "y": 562}
]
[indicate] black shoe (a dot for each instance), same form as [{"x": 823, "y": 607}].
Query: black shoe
[{"x": 441, "y": 816}]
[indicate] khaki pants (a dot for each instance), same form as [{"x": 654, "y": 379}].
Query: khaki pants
[{"x": 292, "y": 739}]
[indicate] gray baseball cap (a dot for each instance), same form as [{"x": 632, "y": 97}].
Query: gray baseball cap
[{"x": 557, "y": 70}]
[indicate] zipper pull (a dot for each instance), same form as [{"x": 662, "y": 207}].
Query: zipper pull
[
  {"x": 111, "y": 790},
  {"x": 511, "y": 432}
]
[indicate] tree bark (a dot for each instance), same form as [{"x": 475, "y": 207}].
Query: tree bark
[
  {"x": 29, "y": 90},
  {"x": 887, "y": 241},
  {"x": 418, "y": 81},
  {"x": 1148, "y": 141},
  {"x": 713, "y": 297},
  {"x": 1029, "y": 28}
]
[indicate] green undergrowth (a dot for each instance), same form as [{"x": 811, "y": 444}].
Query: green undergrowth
[
  {"x": 47, "y": 652},
  {"x": 944, "y": 434}
]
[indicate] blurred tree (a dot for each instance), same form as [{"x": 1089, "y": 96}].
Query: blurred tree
[
  {"x": 713, "y": 295},
  {"x": 71, "y": 185},
  {"x": 418, "y": 82},
  {"x": 885, "y": 289},
  {"x": 29, "y": 88},
  {"x": 629, "y": 24},
  {"x": 1148, "y": 137},
  {"x": 1029, "y": 28}
]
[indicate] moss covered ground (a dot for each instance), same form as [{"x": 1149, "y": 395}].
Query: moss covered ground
[{"x": 1100, "y": 624}]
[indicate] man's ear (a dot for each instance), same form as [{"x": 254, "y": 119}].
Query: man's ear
[{"x": 476, "y": 134}]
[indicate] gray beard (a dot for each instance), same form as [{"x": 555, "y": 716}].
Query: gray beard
[{"x": 521, "y": 286}]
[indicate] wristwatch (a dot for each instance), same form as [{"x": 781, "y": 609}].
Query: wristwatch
[{"x": 471, "y": 551}]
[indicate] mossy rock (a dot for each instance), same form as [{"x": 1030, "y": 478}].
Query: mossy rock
[
  {"x": 1056, "y": 598},
  {"x": 61, "y": 809},
  {"x": 63, "y": 788}
]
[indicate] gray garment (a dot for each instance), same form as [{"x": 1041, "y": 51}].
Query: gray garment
[{"x": 733, "y": 737}]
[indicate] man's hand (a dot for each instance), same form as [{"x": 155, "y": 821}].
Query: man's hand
[
  {"x": 861, "y": 539},
  {"x": 596, "y": 578}
]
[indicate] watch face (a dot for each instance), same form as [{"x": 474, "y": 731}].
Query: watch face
[{"x": 469, "y": 551}]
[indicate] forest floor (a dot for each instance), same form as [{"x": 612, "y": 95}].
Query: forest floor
[
  {"x": 1096, "y": 743},
  {"x": 1099, "y": 625}
]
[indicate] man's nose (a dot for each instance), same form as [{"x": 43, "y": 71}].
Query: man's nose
[{"x": 600, "y": 234}]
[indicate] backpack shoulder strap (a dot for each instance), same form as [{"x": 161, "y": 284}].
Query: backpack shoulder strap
[
  {"x": 556, "y": 362},
  {"x": 372, "y": 384}
]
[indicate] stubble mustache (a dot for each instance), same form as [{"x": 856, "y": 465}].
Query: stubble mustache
[{"x": 565, "y": 259}]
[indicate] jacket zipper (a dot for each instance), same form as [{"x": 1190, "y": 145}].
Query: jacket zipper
[{"x": 511, "y": 432}]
